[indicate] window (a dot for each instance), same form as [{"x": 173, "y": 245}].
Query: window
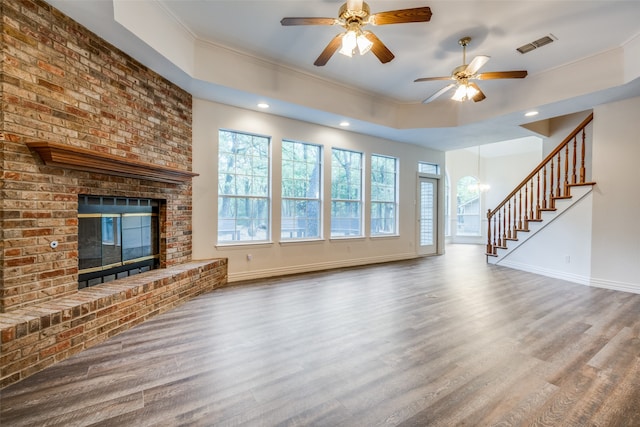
[
  {"x": 243, "y": 187},
  {"x": 432, "y": 168},
  {"x": 301, "y": 166},
  {"x": 468, "y": 199},
  {"x": 346, "y": 193},
  {"x": 384, "y": 204}
]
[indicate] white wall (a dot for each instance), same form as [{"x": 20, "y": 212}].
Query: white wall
[
  {"x": 562, "y": 249},
  {"x": 560, "y": 127},
  {"x": 616, "y": 201},
  {"x": 276, "y": 258},
  {"x": 502, "y": 166}
]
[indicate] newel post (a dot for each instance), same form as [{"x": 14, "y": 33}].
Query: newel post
[{"x": 489, "y": 246}]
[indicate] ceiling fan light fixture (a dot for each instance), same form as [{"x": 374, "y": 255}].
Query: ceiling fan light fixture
[
  {"x": 355, "y": 40},
  {"x": 364, "y": 44},
  {"x": 349, "y": 43},
  {"x": 464, "y": 75},
  {"x": 353, "y": 15},
  {"x": 460, "y": 93},
  {"x": 464, "y": 92}
]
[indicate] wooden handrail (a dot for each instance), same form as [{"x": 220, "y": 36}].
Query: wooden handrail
[
  {"x": 551, "y": 155},
  {"x": 564, "y": 175}
]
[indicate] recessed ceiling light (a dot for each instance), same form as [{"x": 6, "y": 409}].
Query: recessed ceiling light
[
  {"x": 344, "y": 124},
  {"x": 263, "y": 105},
  {"x": 531, "y": 113}
]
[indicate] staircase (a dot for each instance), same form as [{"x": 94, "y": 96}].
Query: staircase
[{"x": 556, "y": 184}]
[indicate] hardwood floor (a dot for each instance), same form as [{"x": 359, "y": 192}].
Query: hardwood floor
[{"x": 440, "y": 341}]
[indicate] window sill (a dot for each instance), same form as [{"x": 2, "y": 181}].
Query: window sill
[
  {"x": 338, "y": 238},
  {"x": 385, "y": 236},
  {"x": 236, "y": 244},
  {"x": 305, "y": 241}
]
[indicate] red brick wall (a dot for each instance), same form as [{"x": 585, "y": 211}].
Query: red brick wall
[{"x": 62, "y": 83}]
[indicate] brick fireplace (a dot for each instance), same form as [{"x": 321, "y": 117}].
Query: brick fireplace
[{"x": 80, "y": 117}]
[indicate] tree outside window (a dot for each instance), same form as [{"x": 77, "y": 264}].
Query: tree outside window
[
  {"x": 301, "y": 170},
  {"x": 384, "y": 185},
  {"x": 346, "y": 193},
  {"x": 243, "y": 187}
]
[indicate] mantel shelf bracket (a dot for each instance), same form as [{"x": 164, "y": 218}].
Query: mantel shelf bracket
[{"x": 61, "y": 155}]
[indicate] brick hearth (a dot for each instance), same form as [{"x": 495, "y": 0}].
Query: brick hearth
[{"x": 37, "y": 336}]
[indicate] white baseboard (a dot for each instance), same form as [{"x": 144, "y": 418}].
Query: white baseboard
[
  {"x": 282, "y": 271},
  {"x": 616, "y": 286},
  {"x": 556, "y": 274},
  {"x": 575, "y": 278}
]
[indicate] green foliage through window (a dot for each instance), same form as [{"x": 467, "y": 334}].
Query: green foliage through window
[
  {"x": 301, "y": 171},
  {"x": 243, "y": 187},
  {"x": 346, "y": 193},
  {"x": 384, "y": 184}
]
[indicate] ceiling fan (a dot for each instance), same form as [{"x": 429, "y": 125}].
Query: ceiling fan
[
  {"x": 462, "y": 75},
  {"x": 354, "y": 15}
]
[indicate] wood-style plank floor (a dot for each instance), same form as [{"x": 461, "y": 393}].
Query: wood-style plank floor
[{"x": 441, "y": 341}]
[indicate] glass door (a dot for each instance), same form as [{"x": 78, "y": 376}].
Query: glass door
[{"x": 427, "y": 215}]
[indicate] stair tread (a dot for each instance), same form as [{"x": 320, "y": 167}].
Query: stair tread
[{"x": 581, "y": 184}]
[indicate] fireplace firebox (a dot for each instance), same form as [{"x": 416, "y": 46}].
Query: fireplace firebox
[{"x": 117, "y": 237}]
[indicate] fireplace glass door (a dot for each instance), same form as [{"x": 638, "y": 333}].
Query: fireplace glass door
[
  {"x": 137, "y": 236},
  {"x": 117, "y": 237}
]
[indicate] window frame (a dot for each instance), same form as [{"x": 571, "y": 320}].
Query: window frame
[
  {"x": 251, "y": 198},
  {"x": 358, "y": 202},
  {"x": 423, "y": 168},
  {"x": 373, "y": 200},
  {"x": 299, "y": 233}
]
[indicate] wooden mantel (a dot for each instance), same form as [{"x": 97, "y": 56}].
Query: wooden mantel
[{"x": 55, "y": 154}]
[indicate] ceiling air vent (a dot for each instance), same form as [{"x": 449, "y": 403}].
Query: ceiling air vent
[{"x": 536, "y": 44}]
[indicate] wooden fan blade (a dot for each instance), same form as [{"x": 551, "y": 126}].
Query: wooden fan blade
[
  {"x": 401, "y": 16},
  {"x": 328, "y": 51},
  {"x": 478, "y": 96},
  {"x": 476, "y": 64},
  {"x": 502, "y": 75},
  {"x": 378, "y": 48},
  {"x": 438, "y": 93},
  {"x": 430, "y": 79},
  {"x": 418, "y": 14},
  {"x": 308, "y": 21}
]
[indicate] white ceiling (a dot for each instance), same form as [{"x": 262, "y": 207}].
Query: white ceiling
[{"x": 587, "y": 32}]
